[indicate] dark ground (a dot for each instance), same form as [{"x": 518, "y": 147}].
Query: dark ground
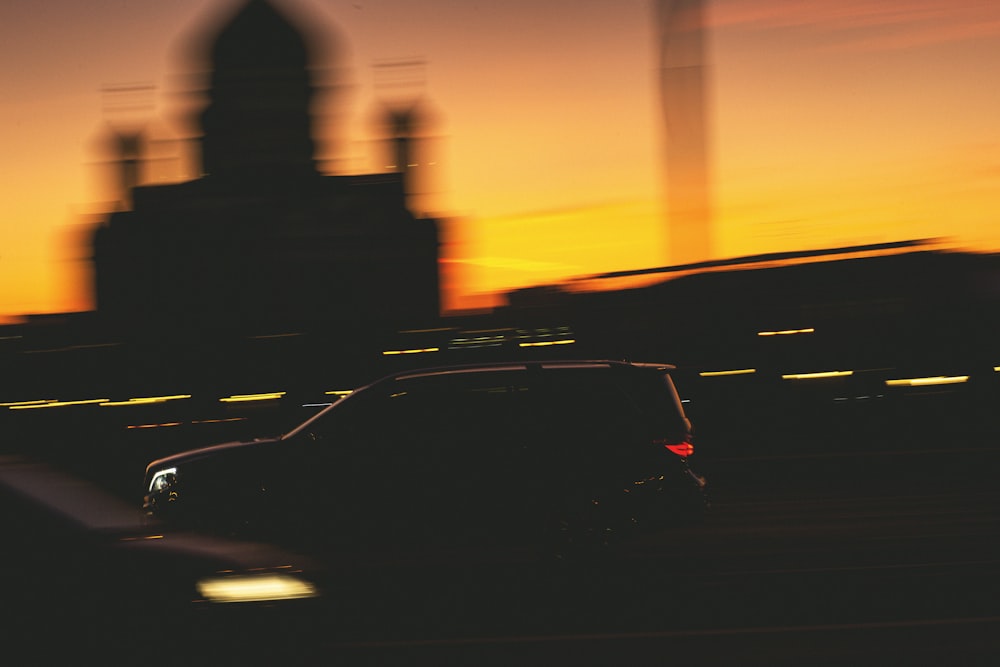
[{"x": 857, "y": 531}]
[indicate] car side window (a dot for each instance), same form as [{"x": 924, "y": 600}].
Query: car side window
[{"x": 426, "y": 423}]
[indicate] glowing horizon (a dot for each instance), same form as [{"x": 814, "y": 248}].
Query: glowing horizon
[{"x": 830, "y": 125}]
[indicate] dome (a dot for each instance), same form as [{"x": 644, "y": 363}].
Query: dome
[
  {"x": 260, "y": 35},
  {"x": 257, "y": 124}
]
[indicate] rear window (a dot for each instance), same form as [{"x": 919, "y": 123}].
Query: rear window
[{"x": 640, "y": 401}]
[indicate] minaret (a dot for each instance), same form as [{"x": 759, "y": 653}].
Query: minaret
[
  {"x": 401, "y": 124},
  {"x": 404, "y": 117},
  {"x": 257, "y": 126},
  {"x": 128, "y": 147},
  {"x": 127, "y": 108},
  {"x": 680, "y": 32}
]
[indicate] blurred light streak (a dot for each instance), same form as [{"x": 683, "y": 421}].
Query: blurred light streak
[
  {"x": 145, "y": 426},
  {"x": 26, "y": 403},
  {"x": 339, "y": 392},
  {"x": 60, "y": 404},
  {"x": 147, "y": 400},
  {"x": 255, "y": 588},
  {"x": 546, "y": 343},
  {"x": 741, "y": 371},
  {"x": 218, "y": 421},
  {"x": 412, "y": 351},
  {"x": 816, "y": 376},
  {"x": 927, "y": 381},
  {"x": 240, "y": 398},
  {"x": 786, "y": 332}
]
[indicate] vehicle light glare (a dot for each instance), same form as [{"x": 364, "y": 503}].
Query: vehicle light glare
[
  {"x": 681, "y": 449},
  {"x": 740, "y": 371},
  {"x": 161, "y": 479},
  {"x": 254, "y": 588}
]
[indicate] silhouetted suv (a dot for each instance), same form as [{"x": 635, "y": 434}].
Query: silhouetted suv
[{"x": 529, "y": 453}]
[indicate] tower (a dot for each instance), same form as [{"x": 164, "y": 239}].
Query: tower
[
  {"x": 262, "y": 239},
  {"x": 257, "y": 124},
  {"x": 680, "y": 34}
]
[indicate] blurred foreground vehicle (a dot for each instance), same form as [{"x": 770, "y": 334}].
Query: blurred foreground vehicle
[
  {"x": 81, "y": 573},
  {"x": 552, "y": 455}
]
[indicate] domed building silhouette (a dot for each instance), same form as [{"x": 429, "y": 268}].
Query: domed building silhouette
[{"x": 262, "y": 238}]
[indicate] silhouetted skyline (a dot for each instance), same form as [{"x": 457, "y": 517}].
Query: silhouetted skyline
[{"x": 831, "y": 126}]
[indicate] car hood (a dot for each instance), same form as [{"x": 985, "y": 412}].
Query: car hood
[{"x": 226, "y": 449}]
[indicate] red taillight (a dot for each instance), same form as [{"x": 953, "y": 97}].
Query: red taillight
[{"x": 682, "y": 449}]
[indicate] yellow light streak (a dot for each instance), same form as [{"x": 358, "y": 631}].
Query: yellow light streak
[
  {"x": 241, "y": 398},
  {"x": 60, "y": 404},
  {"x": 413, "y": 351},
  {"x": 339, "y": 392},
  {"x": 927, "y": 381},
  {"x": 17, "y": 404},
  {"x": 816, "y": 376},
  {"x": 786, "y": 332},
  {"x": 546, "y": 343},
  {"x": 741, "y": 371},
  {"x": 147, "y": 400}
]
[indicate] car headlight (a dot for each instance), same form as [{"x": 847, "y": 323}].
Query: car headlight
[
  {"x": 162, "y": 479},
  {"x": 255, "y": 588}
]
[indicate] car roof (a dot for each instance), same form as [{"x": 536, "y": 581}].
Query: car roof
[
  {"x": 504, "y": 366},
  {"x": 490, "y": 367}
]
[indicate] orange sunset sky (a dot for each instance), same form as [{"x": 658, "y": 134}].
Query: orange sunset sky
[{"x": 832, "y": 122}]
